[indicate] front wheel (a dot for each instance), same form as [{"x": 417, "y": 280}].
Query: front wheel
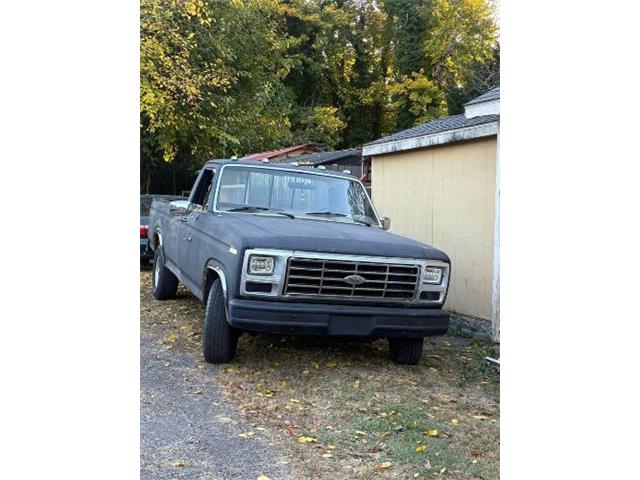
[
  {"x": 219, "y": 339},
  {"x": 405, "y": 351}
]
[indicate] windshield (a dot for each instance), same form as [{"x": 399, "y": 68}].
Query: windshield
[{"x": 298, "y": 193}]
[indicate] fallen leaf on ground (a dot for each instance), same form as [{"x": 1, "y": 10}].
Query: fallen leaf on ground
[
  {"x": 331, "y": 364},
  {"x": 304, "y": 439},
  {"x": 263, "y": 477},
  {"x": 384, "y": 466},
  {"x": 479, "y": 417},
  {"x": 327, "y": 455},
  {"x": 421, "y": 448},
  {"x": 247, "y": 434},
  {"x": 455, "y": 421},
  {"x": 431, "y": 433},
  {"x": 178, "y": 463}
]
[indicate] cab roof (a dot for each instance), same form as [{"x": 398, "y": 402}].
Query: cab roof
[{"x": 278, "y": 166}]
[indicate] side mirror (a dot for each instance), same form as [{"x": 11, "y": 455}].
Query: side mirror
[
  {"x": 386, "y": 223},
  {"x": 178, "y": 207}
]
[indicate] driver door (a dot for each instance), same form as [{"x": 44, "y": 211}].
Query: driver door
[{"x": 195, "y": 248}]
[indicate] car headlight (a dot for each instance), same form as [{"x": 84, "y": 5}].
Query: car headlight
[
  {"x": 259, "y": 265},
  {"x": 432, "y": 275}
]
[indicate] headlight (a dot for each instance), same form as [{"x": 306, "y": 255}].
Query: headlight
[
  {"x": 259, "y": 265},
  {"x": 432, "y": 275}
]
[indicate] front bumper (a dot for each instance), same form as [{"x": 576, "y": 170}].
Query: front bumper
[{"x": 327, "y": 319}]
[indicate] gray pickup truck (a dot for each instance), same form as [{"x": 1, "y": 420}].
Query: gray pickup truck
[{"x": 284, "y": 249}]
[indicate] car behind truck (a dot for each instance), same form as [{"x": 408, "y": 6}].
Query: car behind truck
[{"x": 292, "y": 250}]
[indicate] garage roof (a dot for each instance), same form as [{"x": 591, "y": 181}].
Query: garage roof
[{"x": 454, "y": 122}]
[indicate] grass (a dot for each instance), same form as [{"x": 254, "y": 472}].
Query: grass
[{"x": 359, "y": 415}]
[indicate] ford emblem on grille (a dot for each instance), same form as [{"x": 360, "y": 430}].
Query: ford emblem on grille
[{"x": 354, "y": 280}]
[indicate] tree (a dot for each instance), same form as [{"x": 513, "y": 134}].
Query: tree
[
  {"x": 436, "y": 42},
  {"x": 233, "y": 77},
  {"x": 211, "y": 78}
]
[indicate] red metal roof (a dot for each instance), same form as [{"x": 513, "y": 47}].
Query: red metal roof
[{"x": 276, "y": 153}]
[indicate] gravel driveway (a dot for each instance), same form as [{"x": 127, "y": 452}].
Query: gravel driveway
[{"x": 187, "y": 428}]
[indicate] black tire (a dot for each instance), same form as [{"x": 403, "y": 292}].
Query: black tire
[
  {"x": 163, "y": 281},
  {"x": 219, "y": 339},
  {"x": 406, "y": 351}
]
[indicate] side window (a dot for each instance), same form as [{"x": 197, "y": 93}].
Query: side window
[{"x": 201, "y": 196}]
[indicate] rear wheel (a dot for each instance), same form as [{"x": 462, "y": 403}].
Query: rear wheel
[
  {"x": 219, "y": 339},
  {"x": 163, "y": 281},
  {"x": 405, "y": 351}
]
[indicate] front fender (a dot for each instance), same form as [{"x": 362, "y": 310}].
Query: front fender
[{"x": 216, "y": 266}]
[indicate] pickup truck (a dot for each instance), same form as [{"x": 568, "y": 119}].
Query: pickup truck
[{"x": 293, "y": 250}]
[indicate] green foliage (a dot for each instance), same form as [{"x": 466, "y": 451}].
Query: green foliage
[{"x": 232, "y": 77}]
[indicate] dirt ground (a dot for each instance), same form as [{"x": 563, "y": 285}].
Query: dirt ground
[{"x": 342, "y": 410}]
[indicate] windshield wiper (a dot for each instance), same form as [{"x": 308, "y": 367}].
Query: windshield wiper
[
  {"x": 338, "y": 214},
  {"x": 248, "y": 208},
  {"x": 328, "y": 214}
]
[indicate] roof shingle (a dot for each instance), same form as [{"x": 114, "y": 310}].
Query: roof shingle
[
  {"x": 492, "y": 94},
  {"x": 440, "y": 125},
  {"x": 276, "y": 153},
  {"x": 327, "y": 157}
]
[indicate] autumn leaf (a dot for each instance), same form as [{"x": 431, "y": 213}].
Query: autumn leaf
[
  {"x": 479, "y": 417},
  {"x": 384, "y": 466},
  {"x": 178, "y": 463},
  {"x": 431, "y": 433},
  {"x": 327, "y": 455},
  {"x": 331, "y": 447},
  {"x": 331, "y": 364},
  {"x": 171, "y": 338},
  {"x": 246, "y": 434},
  {"x": 421, "y": 448},
  {"x": 263, "y": 477},
  {"x": 304, "y": 439},
  {"x": 455, "y": 421}
]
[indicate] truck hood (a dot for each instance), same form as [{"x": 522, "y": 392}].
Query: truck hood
[{"x": 261, "y": 231}]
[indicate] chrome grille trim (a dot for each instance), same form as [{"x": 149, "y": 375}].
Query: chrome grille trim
[{"x": 326, "y": 277}]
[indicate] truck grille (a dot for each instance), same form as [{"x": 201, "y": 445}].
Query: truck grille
[{"x": 340, "y": 278}]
